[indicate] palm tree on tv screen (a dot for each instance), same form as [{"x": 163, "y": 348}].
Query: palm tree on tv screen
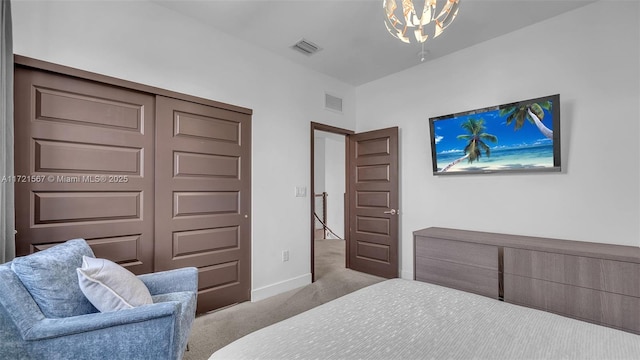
[
  {"x": 533, "y": 112},
  {"x": 476, "y": 142}
]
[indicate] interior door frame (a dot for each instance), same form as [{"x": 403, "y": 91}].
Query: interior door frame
[{"x": 335, "y": 130}]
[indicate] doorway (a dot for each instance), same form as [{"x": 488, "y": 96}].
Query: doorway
[
  {"x": 371, "y": 200},
  {"x": 328, "y": 189}
]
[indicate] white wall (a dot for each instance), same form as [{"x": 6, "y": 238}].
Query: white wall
[
  {"x": 147, "y": 43},
  {"x": 330, "y": 176},
  {"x": 318, "y": 172},
  {"x": 592, "y": 60},
  {"x": 335, "y": 184}
]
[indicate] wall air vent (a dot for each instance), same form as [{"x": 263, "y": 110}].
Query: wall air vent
[
  {"x": 306, "y": 47},
  {"x": 333, "y": 103}
]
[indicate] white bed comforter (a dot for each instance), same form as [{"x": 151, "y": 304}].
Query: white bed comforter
[{"x": 402, "y": 319}]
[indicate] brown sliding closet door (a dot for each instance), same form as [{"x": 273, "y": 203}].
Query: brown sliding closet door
[
  {"x": 84, "y": 160},
  {"x": 203, "y": 186},
  {"x": 152, "y": 179}
]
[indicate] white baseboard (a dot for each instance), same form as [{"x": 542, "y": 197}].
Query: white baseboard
[{"x": 280, "y": 287}]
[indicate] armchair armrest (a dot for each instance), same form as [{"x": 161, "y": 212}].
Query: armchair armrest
[
  {"x": 51, "y": 328},
  {"x": 183, "y": 279}
]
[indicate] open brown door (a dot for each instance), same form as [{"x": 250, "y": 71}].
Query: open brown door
[
  {"x": 373, "y": 202},
  {"x": 203, "y": 198}
]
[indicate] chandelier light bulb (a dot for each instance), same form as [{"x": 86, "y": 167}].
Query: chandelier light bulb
[{"x": 420, "y": 17}]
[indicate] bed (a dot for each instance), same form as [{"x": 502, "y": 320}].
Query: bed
[
  {"x": 405, "y": 319},
  {"x": 408, "y": 319}
]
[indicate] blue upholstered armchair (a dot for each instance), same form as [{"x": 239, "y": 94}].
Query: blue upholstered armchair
[{"x": 44, "y": 313}]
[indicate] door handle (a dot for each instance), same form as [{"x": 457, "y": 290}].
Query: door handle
[{"x": 392, "y": 212}]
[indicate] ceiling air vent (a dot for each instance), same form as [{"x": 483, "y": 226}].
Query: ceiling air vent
[
  {"x": 332, "y": 103},
  {"x": 306, "y": 47}
]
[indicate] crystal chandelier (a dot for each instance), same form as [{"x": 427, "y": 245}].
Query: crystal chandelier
[{"x": 424, "y": 24}]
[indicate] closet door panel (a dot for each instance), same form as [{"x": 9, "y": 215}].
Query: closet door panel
[
  {"x": 84, "y": 155},
  {"x": 203, "y": 185}
]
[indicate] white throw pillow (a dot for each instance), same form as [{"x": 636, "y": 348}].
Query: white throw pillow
[{"x": 110, "y": 287}]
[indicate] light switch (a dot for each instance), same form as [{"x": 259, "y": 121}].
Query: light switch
[{"x": 301, "y": 191}]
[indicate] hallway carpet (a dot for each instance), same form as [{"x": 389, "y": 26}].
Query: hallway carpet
[{"x": 214, "y": 330}]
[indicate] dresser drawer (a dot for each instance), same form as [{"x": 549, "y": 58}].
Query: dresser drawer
[
  {"x": 598, "y": 274},
  {"x": 600, "y": 307},
  {"x": 472, "y": 254},
  {"x": 458, "y": 276}
]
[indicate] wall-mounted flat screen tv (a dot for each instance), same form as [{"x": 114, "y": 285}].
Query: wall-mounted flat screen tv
[{"x": 515, "y": 137}]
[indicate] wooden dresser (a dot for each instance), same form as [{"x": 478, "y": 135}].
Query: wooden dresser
[{"x": 598, "y": 283}]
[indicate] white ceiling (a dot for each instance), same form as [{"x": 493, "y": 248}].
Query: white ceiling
[{"x": 356, "y": 47}]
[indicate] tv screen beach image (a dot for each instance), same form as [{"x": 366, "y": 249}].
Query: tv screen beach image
[{"x": 515, "y": 136}]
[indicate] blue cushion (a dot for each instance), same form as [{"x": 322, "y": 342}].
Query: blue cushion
[{"x": 50, "y": 276}]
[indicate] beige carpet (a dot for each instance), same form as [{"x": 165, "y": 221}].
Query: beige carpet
[{"x": 212, "y": 331}]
